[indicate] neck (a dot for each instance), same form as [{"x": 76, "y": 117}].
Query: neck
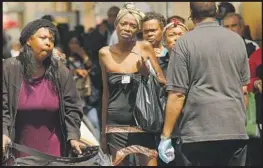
[
  {"x": 158, "y": 45},
  {"x": 127, "y": 45},
  {"x": 205, "y": 20},
  {"x": 39, "y": 65}
]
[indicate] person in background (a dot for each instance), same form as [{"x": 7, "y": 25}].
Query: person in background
[
  {"x": 78, "y": 61},
  {"x": 176, "y": 17},
  {"x": 172, "y": 32},
  {"x": 223, "y": 9},
  {"x": 15, "y": 50},
  {"x": 207, "y": 95},
  {"x": 226, "y": 7},
  {"x": 143, "y": 7},
  {"x": 122, "y": 65},
  {"x": 235, "y": 23},
  {"x": 42, "y": 108},
  {"x": 254, "y": 112},
  {"x": 152, "y": 28}
]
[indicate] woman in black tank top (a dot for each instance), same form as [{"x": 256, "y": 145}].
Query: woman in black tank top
[{"x": 122, "y": 66}]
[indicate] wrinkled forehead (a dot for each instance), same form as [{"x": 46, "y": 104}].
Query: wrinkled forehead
[
  {"x": 231, "y": 19},
  {"x": 129, "y": 18},
  {"x": 177, "y": 28},
  {"x": 44, "y": 31}
]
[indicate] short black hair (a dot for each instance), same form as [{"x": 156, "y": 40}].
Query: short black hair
[
  {"x": 201, "y": 10},
  {"x": 224, "y": 8},
  {"x": 156, "y": 16},
  {"x": 113, "y": 9}
]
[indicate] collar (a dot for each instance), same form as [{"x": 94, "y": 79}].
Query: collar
[
  {"x": 164, "y": 52},
  {"x": 207, "y": 24}
]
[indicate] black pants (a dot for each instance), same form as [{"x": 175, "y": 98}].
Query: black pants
[
  {"x": 254, "y": 152},
  {"x": 212, "y": 153}
]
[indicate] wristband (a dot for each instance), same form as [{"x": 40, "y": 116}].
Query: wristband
[{"x": 165, "y": 138}]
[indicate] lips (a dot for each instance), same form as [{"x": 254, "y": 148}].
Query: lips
[
  {"x": 151, "y": 39},
  {"x": 125, "y": 35}
]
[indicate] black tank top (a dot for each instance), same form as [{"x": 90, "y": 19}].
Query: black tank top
[{"x": 122, "y": 98}]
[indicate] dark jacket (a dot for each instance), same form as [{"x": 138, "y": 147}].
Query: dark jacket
[{"x": 69, "y": 101}]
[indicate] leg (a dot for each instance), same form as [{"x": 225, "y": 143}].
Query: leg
[{"x": 233, "y": 153}]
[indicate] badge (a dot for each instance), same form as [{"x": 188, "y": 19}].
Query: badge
[{"x": 126, "y": 79}]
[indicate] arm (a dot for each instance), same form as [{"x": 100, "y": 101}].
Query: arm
[
  {"x": 73, "y": 107},
  {"x": 149, "y": 52},
  {"x": 105, "y": 99},
  {"x": 173, "y": 110},
  {"x": 244, "y": 73},
  {"x": 86, "y": 61},
  {"x": 177, "y": 85}
]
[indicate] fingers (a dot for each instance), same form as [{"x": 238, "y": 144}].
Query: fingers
[
  {"x": 77, "y": 146},
  {"x": 77, "y": 149},
  {"x": 167, "y": 156}
]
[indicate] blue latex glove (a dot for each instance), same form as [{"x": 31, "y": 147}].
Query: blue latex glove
[{"x": 166, "y": 150}]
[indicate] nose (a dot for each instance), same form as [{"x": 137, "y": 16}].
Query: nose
[
  {"x": 127, "y": 28},
  {"x": 48, "y": 43}
]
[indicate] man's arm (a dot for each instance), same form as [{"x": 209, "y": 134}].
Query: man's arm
[{"x": 174, "y": 107}]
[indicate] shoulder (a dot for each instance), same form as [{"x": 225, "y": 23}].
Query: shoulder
[
  {"x": 11, "y": 62},
  {"x": 104, "y": 51},
  {"x": 144, "y": 44}
]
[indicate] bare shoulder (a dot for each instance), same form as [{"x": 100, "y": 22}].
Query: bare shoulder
[
  {"x": 104, "y": 51},
  {"x": 144, "y": 44}
]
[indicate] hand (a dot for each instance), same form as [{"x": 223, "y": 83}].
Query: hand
[
  {"x": 6, "y": 141},
  {"x": 258, "y": 85},
  {"x": 81, "y": 52},
  {"x": 77, "y": 146},
  {"x": 166, "y": 150},
  {"x": 82, "y": 72},
  {"x": 59, "y": 55},
  {"x": 157, "y": 51}
]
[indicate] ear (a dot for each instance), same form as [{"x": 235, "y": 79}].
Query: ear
[{"x": 28, "y": 42}]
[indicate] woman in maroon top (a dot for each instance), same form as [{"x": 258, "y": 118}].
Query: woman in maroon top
[{"x": 41, "y": 105}]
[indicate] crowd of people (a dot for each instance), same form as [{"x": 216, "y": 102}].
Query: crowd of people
[{"x": 54, "y": 78}]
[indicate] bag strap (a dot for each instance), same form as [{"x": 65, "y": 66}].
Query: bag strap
[{"x": 93, "y": 151}]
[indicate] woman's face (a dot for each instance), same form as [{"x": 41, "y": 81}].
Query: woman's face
[
  {"x": 42, "y": 44},
  {"x": 152, "y": 32},
  {"x": 73, "y": 44},
  {"x": 171, "y": 35},
  {"x": 127, "y": 28}
]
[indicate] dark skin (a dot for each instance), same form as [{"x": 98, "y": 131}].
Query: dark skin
[
  {"x": 152, "y": 32},
  {"x": 42, "y": 44},
  {"x": 75, "y": 47},
  {"x": 120, "y": 59}
]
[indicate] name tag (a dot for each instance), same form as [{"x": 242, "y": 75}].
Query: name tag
[{"x": 126, "y": 79}]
